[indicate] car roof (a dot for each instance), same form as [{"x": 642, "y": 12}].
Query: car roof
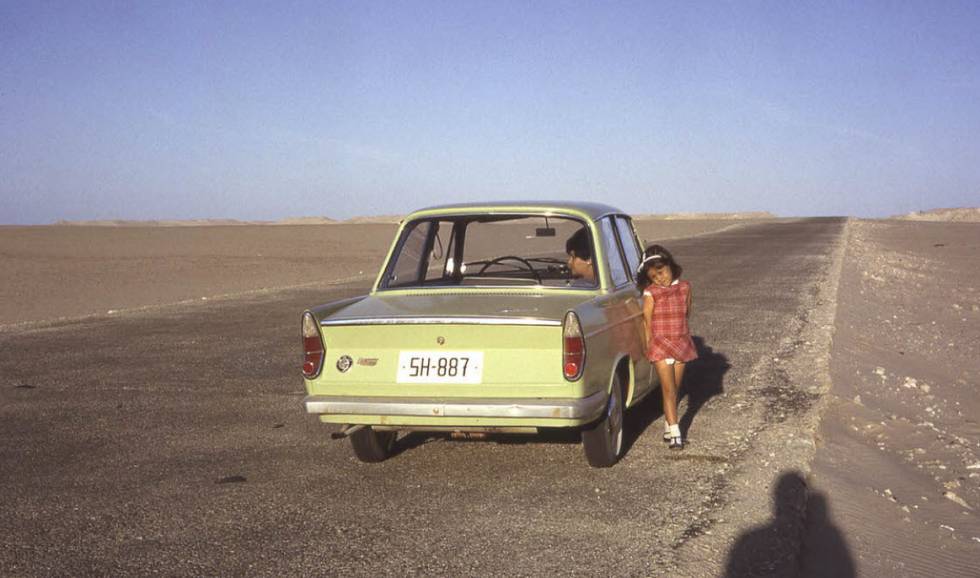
[{"x": 594, "y": 211}]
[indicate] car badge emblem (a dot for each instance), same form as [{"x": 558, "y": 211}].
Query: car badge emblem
[
  {"x": 441, "y": 340},
  {"x": 344, "y": 363}
]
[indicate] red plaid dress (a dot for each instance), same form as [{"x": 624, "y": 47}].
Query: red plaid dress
[{"x": 669, "y": 335}]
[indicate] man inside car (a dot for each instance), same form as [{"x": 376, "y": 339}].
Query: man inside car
[{"x": 580, "y": 266}]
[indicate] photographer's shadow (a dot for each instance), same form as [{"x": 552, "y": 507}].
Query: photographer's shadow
[
  {"x": 703, "y": 379},
  {"x": 800, "y": 539}
]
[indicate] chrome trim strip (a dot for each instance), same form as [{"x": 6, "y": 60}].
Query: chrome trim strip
[
  {"x": 443, "y": 321},
  {"x": 584, "y": 408}
]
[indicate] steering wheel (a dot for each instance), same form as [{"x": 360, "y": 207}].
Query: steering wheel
[
  {"x": 559, "y": 265},
  {"x": 520, "y": 260}
]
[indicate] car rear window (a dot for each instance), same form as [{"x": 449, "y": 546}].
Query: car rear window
[{"x": 485, "y": 251}]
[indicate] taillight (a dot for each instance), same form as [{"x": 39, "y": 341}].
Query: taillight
[
  {"x": 313, "y": 351},
  {"x": 573, "y": 347}
]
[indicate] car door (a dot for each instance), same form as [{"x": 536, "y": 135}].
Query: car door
[
  {"x": 633, "y": 252},
  {"x": 625, "y": 306}
]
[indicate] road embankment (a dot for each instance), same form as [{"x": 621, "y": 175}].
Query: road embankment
[{"x": 897, "y": 455}]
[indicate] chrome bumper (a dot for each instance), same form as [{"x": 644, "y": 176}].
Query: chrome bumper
[{"x": 583, "y": 408}]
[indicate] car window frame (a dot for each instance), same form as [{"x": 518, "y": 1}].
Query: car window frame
[
  {"x": 461, "y": 223},
  {"x": 630, "y": 279},
  {"x": 637, "y": 246},
  {"x": 404, "y": 234}
]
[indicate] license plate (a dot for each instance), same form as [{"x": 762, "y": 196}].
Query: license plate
[{"x": 440, "y": 367}]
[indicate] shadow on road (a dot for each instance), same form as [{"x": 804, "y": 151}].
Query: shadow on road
[
  {"x": 784, "y": 545},
  {"x": 413, "y": 440},
  {"x": 703, "y": 379}
]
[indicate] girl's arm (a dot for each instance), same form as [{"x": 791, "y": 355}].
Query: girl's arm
[
  {"x": 648, "y": 306},
  {"x": 690, "y": 299}
]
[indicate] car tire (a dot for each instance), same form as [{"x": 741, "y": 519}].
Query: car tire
[
  {"x": 603, "y": 440},
  {"x": 373, "y": 446}
]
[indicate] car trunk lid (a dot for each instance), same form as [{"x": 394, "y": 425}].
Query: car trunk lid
[{"x": 418, "y": 345}]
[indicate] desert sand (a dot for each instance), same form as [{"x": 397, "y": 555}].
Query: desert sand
[
  {"x": 57, "y": 272},
  {"x": 898, "y": 442},
  {"x": 107, "y": 267},
  {"x": 963, "y": 215}
]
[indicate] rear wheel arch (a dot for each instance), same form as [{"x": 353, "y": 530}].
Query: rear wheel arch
[
  {"x": 624, "y": 368},
  {"x": 603, "y": 439}
]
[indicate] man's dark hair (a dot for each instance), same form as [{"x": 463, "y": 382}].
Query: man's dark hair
[{"x": 579, "y": 244}]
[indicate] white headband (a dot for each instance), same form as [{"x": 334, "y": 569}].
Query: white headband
[{"x": 648, "y": 259}]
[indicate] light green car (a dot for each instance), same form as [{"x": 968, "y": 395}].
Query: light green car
[{"x": 480, "y": 322}]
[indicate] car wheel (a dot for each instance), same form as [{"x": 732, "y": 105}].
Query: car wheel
[
  {"x": 371, "y": 445},
  {"x": 603, "y": 440}
]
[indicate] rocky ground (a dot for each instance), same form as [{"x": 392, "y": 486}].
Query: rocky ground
[{"x": 897, "y": 467}]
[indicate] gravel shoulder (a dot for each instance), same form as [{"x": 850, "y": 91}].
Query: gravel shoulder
[{"x": 757, "y": 527}]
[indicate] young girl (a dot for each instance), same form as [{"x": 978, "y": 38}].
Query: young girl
[{"x": 666, "y": 305}]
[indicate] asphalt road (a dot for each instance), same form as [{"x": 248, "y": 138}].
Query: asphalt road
[{"x": 174, "y": 441}]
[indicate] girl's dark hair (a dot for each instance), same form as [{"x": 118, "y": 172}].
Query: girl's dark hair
[{"x": 661, "y": 257}]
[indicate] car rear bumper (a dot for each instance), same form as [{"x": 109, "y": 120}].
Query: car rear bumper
[{"x": 584, "y": 409}]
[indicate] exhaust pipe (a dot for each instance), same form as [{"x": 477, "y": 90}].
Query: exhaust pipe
[
  {"x": 468, "y": 435},
  {"x": 345, "y": 430}
]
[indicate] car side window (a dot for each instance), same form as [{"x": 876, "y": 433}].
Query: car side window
[
  {"x": 617, "y": 269},
  {"x": 631, "y": 248}
]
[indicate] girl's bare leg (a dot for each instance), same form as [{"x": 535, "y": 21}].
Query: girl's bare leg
[
  {"x": 668, "y": 388},
  {"x": 679, "y": 374}
]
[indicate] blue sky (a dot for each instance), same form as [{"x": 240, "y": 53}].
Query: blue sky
[{"x": 265, "y": 110}]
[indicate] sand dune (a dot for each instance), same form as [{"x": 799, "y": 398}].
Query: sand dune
[
  {"x": 304, "y": 221},
  {"x": 159, "y": 223},
  {"x": 965, "y": 214},
  {"x": 386, "y": 219},
  {"x": 709, "y": 216}
]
